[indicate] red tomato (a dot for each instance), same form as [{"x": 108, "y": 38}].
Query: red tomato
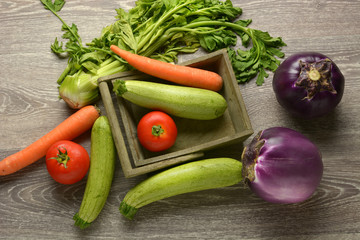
[
  {"x": 67, "y": 162},
  {"x": 156, "y": 131}
]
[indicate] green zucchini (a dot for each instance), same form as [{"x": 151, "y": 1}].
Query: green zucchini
[
  {"x": 189, "y": 177},
  {"x": 102, "y": 166},
  {"x": 181, "y": 101}
]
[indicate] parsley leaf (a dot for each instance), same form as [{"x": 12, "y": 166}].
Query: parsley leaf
[
  {"x": 261, "y": 56},
  {"x": 74, "y": 45},
  {"x": 55, "y": 6}
]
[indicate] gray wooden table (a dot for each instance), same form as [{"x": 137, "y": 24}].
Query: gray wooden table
[{"x": 33, "y": 206}]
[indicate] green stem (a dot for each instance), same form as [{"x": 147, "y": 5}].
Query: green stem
[
  {"x": 142, "y": 25},
  {"x": 127, "y": 210},
  {"x": 62, "y": 157},
  {"x": 106, "y": 62},
  {"x": 155, "y": 27},
  {"x": 119, "y": 87},
  {"x": 218, "y": 23},
  {"x": 156, "y": 45},
  {"x": 255, "y": 44},
  {"x": 152, "y": 40},
  {"x": 192, "y": 27},
  {"x": 114, "y": 70},
  {"x": 105, "y": 70},
  {"x": 80, "y": 222},
  {"x": 196, "y": 31},
  {"x": 64, "y": 74}
]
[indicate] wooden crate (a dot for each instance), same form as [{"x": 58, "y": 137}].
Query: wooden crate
[{"x": 194, "y": 136}]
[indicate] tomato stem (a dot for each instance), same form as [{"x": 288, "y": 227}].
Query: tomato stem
[
  {"x": 62, "y": 157},
  {"x": 157, "y": 130}
]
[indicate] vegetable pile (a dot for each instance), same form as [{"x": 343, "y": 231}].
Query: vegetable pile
[
  {"x": 161, "y": 29},
  {"x": 280, "y": 165},
  {"x": 273, "y": 165}
]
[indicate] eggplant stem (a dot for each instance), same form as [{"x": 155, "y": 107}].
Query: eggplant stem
[{"x": 314, "y": 75}]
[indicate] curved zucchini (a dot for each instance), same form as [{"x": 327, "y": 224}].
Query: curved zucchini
[
  {"x": 189, "y": 177},
  {"x": 181, "y": 101},
  {"x": 102, "y": 166}
]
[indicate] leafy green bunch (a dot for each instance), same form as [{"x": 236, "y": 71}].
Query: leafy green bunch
[{"x": 162, "y": 29}]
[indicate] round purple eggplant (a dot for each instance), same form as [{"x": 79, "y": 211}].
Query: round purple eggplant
[
  {"x": 308, "y": 84},
  {"x": 281, "y": 165}
]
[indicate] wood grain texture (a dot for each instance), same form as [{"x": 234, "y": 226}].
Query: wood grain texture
[{"x": 33, "y": 206}]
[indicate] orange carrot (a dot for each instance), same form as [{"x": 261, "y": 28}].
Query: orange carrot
[
  {"x": 73, "y": 126},
  {"x": 183, "y": 75}
]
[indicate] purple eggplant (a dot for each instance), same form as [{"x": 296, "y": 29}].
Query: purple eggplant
[
  {"x": 308, "y": 84},
  {"x": 281, "y": 165}
]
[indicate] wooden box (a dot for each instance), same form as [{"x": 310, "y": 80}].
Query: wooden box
[{"x": 194, "y": 136}]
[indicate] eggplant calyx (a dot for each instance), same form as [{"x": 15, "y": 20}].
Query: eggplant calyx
[
  {"x": 250, "y": 156},
  {"x": 315, "y": 77}
]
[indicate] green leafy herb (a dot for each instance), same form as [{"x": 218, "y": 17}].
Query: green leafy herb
[
  {"x": 162, "y": 29},
  {"x": 55, "y": 6},
  {"x": 74, "y": 44}
]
